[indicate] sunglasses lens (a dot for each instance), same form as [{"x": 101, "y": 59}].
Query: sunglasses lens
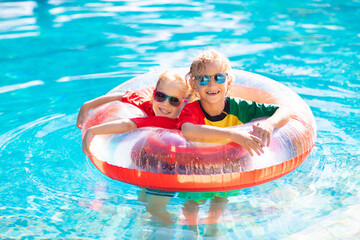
[
  {"x": 174, "y": 101},
  {"x": 204, "y": 80},
  {"x": 159, "y": 96},
  {"x": 220, "y": 78}
]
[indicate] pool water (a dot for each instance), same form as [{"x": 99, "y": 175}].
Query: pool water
[{"x": 56, "y": 54}]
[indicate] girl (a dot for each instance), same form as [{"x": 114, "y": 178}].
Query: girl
[
  {"x": 205, "y": 119},
  {"x": 170, "y": 95}
]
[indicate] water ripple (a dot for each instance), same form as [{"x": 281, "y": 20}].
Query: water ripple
[
  {"x": 16, "y": 9},
  {"x": 12, "y": 135},
  {"x": 15, "y": 87}
]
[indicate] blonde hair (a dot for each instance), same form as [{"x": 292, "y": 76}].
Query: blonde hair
[
  {"x": 169, "y": 76},
  {"x": 198, "y": 66}
]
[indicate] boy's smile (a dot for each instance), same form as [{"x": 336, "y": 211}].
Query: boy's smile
[{"x": 213, "y": 93}]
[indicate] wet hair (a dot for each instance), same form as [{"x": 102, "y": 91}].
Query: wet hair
[
  {"x": 169, "y": 76},
  {"x": 198, "y": 66}
]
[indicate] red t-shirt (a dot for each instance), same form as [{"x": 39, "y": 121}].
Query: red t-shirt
[
  {"x": 155, "y": 121},
  {"x": 192, "y": 113},
  {"x": 151, "y": 120},
  {"x": 138, "y": 101}
]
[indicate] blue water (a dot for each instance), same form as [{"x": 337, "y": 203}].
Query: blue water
[{"x": 56, "y": 54}]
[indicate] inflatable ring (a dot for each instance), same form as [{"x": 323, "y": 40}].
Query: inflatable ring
[{"x": 163, "y": 160}]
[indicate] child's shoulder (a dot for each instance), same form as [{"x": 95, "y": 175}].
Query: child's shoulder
[
  {"x": 191, "y": 108},
  {"x": 237, "y": 100},
  {"x": 192, "y": 105}
]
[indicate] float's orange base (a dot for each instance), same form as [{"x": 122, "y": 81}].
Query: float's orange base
[{"x": 199, "y": 183}]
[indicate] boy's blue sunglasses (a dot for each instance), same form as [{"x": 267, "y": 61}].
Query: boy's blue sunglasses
[{"x": 204, "y": 79}]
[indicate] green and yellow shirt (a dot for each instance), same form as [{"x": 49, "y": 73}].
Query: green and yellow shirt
[{"x": 236, "y": 111}]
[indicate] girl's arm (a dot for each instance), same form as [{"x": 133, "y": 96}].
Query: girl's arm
[
  {"x": 193, "y": 132},
  {"x": 264, "y": 130},
  {"x": 118, "y": 126},
  {"x": 86, "y": 107}
]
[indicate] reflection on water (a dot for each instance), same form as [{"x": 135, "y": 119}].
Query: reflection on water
[{"x": 54, "y": 55}]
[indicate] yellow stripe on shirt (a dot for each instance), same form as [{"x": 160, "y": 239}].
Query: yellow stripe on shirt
[{"x": 228, "y": 121}]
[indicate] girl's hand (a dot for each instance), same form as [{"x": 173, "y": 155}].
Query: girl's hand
[
  {"x": 263, "y": 130},
  {"x": 83, "y": 114},
  {"x": 248, "y": 141},
  {"x": 89, "y": 136}
]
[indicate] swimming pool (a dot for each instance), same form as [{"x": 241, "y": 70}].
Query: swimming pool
[{"x": 56, "y": 54}]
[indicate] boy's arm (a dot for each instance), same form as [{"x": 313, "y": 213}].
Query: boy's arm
[
  {"x": 193, "y": 132},
  {"x": 118, "y": 126},
  {"x": 264, "y": 129},
  {"x": 86, "y": 107}
]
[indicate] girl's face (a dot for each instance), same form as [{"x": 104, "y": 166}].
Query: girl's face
[
  {"x": 165, "y": 109},
  {"x": 213, "y": 92}
]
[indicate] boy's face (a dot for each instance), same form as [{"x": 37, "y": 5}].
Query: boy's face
[
  {"x": 165, "y": 109},
  {"x": 213, "y": 92}
]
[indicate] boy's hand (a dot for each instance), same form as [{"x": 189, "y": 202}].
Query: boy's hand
[
  {"x": 83, "y": 114},
  {"x": 248, "y": 141},
  {"x": 263, "y": 130},
  {"x": 89, "y": 136}
]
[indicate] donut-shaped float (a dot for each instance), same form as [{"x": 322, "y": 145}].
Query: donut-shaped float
[{"x": 162, "y": 159}]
